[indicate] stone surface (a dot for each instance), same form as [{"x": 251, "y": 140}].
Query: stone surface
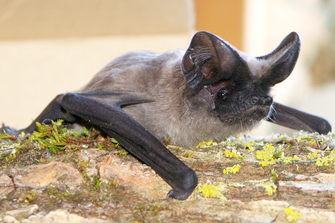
[
  {"x": 6, "y": 185},
  {"x": 39, "y": 176},
  {"x": 22, "y": 213},
  {"x": 136, "y": 176},
  {"x": 85, "y": 184},
  {"x": 9, "y": 219},
  {"x": 61, "y": 216}
]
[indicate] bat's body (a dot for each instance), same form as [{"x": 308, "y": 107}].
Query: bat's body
[
  {"x": 209, "y": 92},
  {"x": 172, "y": 111}
]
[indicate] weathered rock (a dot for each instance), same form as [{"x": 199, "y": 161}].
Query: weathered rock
[
  {"x": 137, "y": 176},
  {"x": 40, "y": 176},
  {"x": 90, "y": 154},
  {"x": 9, "y": 219},
  {"x": 22, "y": 213},
  {"x": 317, "y": 191},
  {"x": 6, "y": 185},
  {"x": 319, "y": 182},
  {"x": 107, "y": 185},
  {"x": 91, "y": 171},
  {"x": 61, "y": 216}
]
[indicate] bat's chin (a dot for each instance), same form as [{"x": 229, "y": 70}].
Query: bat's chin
[{"x": 252, "y": 115}]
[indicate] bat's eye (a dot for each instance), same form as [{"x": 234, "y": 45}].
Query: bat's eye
[{"x": 222, "y": 94}]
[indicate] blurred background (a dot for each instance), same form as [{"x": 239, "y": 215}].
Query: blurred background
[{"x": 49, "y": 47}]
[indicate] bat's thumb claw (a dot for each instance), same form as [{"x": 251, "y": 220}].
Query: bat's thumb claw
[
  {"x": 326, "y": 127},
  {"x": 184, "y": 188},
  {"x": 179, "y": 195}
]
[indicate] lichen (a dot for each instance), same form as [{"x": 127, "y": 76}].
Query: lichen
[
  {"x": 326, "y": 161},
  {"x": 266, "y": 155},
  {"x": 205, "y": 144},
  {"x": 270, "y": 187},
  {"x": 291, "y": 214},
  {"x": 233, "y": 154},
  {"x": 289, "y": 160},
  {"x": 312, "y": 156},
  {"x": 210, "y": 190},
  {"x": 234, "y": 169}
]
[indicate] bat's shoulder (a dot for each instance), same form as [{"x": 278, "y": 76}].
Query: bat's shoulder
[
  {"x": 140, "y": 58},
  {"x": 136, "y": 70}
]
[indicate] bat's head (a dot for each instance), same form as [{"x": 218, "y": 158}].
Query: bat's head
[{"x": 236, "y": 85}]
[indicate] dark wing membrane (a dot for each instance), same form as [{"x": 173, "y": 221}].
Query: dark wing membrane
[
  {"x": 134, "y": 138},
  {"x": 103, "y": 109},
  {"x": 296, "y": 119}
]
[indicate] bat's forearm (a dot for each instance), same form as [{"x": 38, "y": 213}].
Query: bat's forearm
[{"x": 296, "y": 119}]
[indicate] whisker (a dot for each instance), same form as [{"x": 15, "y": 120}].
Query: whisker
[{"x": 271, "y": 112}]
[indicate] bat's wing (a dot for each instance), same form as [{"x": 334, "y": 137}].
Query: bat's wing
[
  {"x": 103, "y": 109},
  {"x": 295, "y": 119}
]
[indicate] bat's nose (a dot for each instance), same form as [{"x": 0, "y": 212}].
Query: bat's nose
[
  {"x": 267, "y": 100},
  {"x": 261, "y": 100}
]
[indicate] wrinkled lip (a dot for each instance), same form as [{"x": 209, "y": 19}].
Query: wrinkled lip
[{"x": 255, "y": 113}]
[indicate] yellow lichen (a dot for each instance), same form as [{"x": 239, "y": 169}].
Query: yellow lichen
[
  {"x": 249, "y": 146},
  {"x": 233, "y": 154},
  {"x": 270, "y": 187},
  {"x": 289, "y": 160},
  {"x": 210, "y": 190},
  {"x": 236, "y": 184},
  {"x": 234, "y": 169},
  {"x": 307, "y": 138},
  {"x": 230, "y": 154},
  {"x": 292, "y": 215},
  {"x": 312, "y": 156},
  {"x": 204, "y": 144},
  {"x": 266, "y": 155},
  {"x": 265, "y": 163},
  {"x": 324, "y": 161}
]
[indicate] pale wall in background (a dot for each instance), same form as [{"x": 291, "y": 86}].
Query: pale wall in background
[
  {"x": 23, "y": 19},
  {"x": 266, "y": 24},
  {"x": 49, "y": 47}
]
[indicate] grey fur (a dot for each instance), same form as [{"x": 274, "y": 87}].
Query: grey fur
[{"x": 177, "y": 111}]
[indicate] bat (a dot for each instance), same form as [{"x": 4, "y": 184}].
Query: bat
[{"x": 208, "y": 92}]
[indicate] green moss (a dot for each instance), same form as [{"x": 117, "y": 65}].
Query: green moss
[
  {"x": 274, "y": 176},
  {"x": 4, "y": 135},
  {"x": 122, "y": 153},
  {"x": 55, "y": 192},
  {"x": 53, "y": 138},
  {"x": 85, "y": 131},
  {"x": 116, "y": 143},
  {"x": 97, "y": 182},
  {"x": 30, "y": 197}
]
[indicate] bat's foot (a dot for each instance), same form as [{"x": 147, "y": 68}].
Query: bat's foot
[
  {"x": 179, "y": 195},
  {"x": 188, "y": 183},
  {"x": 8, "y": 130}
]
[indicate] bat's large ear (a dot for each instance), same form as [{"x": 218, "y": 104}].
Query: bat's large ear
[
  {"x": 280, "y": 63},
  {"x": 208, "y": 60}
]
